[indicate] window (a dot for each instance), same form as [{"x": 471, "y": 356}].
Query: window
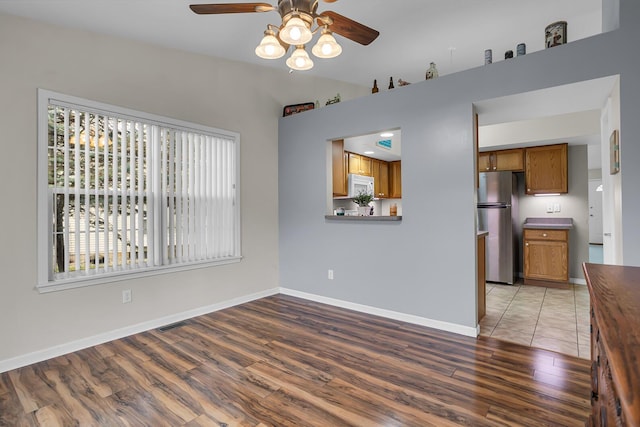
[{"x": 122, "y": 192}]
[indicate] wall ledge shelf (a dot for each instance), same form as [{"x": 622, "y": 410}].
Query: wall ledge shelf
[{"x": 370, "y": 218}]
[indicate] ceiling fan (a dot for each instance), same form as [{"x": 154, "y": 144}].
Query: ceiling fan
[{"x": 298, "y": 17}]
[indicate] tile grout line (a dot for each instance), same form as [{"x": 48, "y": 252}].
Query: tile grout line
[
  {"x": 538, "y": 318},
  {"x": 506, "y": 309}
]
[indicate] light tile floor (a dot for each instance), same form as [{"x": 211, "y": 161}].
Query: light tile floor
[{"x": 548, "y": 318}]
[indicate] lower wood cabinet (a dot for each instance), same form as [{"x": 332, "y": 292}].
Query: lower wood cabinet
[
  {"x": 482, "y": 283},
  {"x": 546, "y": 256}
]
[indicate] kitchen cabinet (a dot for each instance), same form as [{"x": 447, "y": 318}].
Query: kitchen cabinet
[
  {"x": 339, "y": 168},
  {"x": 360, "y": 165},
  {"x": 546, "y": 169},
  {"x": 482, "y": 283},
  {"x": 546, "y": 257},
  {"x": 614, "y": 293},
  {"x": 502, "y": 160},
  {"x": 395, "y": 179},
  {"x": 380, "y": 172}
]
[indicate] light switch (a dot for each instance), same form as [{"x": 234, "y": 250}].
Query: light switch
[{"x": 556, "y": 207}]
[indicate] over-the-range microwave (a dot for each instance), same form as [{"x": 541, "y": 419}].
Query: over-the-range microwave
[{"x": 359, "y": 183}]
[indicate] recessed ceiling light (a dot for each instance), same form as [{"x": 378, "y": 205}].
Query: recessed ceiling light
[
  {"x": 369, "y": 152},
  {"x": 386, "y": 134}
]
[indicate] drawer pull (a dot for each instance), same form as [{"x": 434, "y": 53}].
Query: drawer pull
[{"x": 544, "y": 234}]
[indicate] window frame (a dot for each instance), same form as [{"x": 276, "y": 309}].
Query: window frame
[{"x": 44, "y": 238}]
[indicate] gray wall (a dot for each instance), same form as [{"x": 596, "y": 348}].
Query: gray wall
[
  {"x": 224, "y": 94},
  {"x": 425, "y": 265},
  {"x": 574, "y": 204}
]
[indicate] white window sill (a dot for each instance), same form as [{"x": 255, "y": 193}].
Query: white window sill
[{"x": 100, "y": 278}]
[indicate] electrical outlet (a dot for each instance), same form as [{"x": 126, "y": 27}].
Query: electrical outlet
[
  {"x": 549, "y": 207},
  {"x": 556, "y": 207},
  {"x": 126, "y": 296},
  {"x": 330, "y": 275}
]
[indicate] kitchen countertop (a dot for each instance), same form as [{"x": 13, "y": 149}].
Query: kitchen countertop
[
  {"x": 482, "y": 233},
  {"x": 548, "y": 223},
  {"x": 373, "y": 218}
]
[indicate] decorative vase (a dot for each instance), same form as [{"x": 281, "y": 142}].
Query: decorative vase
[
  {"x": 364, "y": 210},
  {"x": 488, "y": 57},
  {"x": 432, "y": 72},
  {"x": 555, "y": 34}
]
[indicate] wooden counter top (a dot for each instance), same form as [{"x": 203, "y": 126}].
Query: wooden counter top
[{"x": 615, "y": 299}]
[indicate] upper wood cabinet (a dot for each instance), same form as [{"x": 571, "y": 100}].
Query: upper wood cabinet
[
  {"x": 380, "y": 172},
  {"x": 339, "y": 168},
  {"x": 395, "y": 179},
  {"x": 502, "y": 160},
  {"x": 546, "y": 169},
  {"x": 360, "y": 165}
]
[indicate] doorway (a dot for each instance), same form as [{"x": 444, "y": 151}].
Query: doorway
[{"x": 595, "y": 221}]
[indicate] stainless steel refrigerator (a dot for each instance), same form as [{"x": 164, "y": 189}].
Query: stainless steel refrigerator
[{"x": 497, "y": 214}]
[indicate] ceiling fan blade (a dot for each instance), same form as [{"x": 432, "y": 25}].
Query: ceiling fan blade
[
  {"x": 349, "y": 28},
  {"x": 206, "y": 9}
]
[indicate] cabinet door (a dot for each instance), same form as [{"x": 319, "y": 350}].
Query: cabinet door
[
  {"x": 365, "y": 166},
  {"x": 509, "y": 160},
  {"x": 395, "y": 179},
  {"x": 339, "y": 169},
  {"x": 380, "y": 171},
  {"x": 482, "y": 285},
  {"x": 546, "y": 260},
  {"x": 360, "y": 165},
  {"x": 484, "y": 161},
  {"x": 546, "y": 169}
]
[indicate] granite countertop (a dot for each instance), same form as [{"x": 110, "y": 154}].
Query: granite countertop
[{"x": 548, "y": 223}]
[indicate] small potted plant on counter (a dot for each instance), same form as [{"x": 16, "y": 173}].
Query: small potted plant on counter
[{"x": 362, "y": 200}]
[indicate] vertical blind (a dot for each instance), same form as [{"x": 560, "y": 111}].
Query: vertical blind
[{"x": 130, "y": 194}]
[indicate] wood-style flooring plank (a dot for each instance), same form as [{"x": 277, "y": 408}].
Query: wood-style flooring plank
[{"x": 284, "y": 361}]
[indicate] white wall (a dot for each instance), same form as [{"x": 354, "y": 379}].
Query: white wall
[
  {"x": 223, "y": 94},
  {"x": 613, "y": 238}
]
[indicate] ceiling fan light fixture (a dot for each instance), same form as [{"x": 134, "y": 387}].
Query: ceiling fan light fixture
[
  {"x": 299, "y": 60},
  {"x": 296, "y": 32},
  {"x": 327, "y": 46},
  {"x": 270, "y": 47}
]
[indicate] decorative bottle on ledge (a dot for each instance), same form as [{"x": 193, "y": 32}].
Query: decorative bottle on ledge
[
  {"x": 390, "y": 82},
  {"x": 374, "y": 89},
  {"x": 432, "y": 72}
]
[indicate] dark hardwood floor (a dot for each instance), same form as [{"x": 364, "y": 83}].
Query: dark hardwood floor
[{"x": 284, "y": 361}]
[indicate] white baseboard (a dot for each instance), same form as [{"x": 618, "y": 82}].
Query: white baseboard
[
  {"x": 409, "y": 318},
  {"x": 59, "y": 350}
]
